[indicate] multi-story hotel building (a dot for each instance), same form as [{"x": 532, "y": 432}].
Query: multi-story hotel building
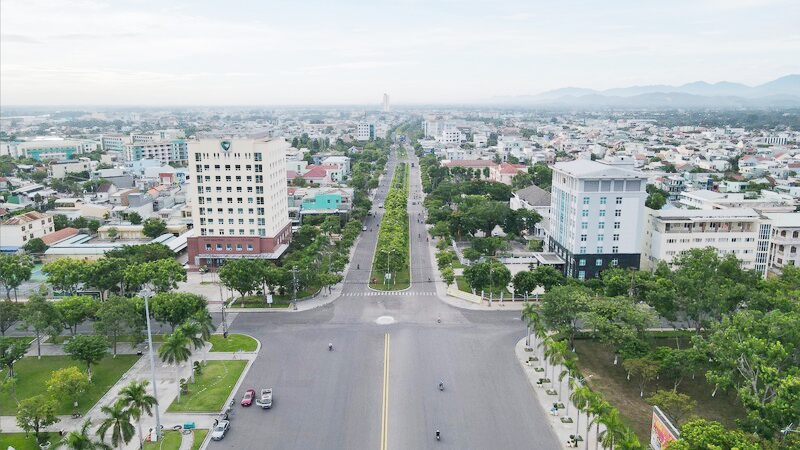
[
  {"x": 239, "y": 201},
  {"x": 166, "y": 152},
  {"x": 743, "y": 232},
  {"x": 784, "y": 241},
  {"x": 596, "y": 217}
]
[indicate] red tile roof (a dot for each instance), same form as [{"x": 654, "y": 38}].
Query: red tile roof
[{"x": 59, "y": 235}]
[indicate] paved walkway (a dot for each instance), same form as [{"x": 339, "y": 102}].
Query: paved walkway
[{"x": 564, "y": 430}]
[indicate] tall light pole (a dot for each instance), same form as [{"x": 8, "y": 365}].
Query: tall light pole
[
  {"x": 222, "y": 300},
  {"x": 146, "y": 294}
]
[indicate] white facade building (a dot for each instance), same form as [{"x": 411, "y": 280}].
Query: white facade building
[
  {"x": 165, "y": 152},
  {"x": 738, "y": 231},
  {"x": 365, "y": 131},
  {"x": 596, "y": 217},
  {"x": 18, "y": 230},
  {"x": 239, "y": 200},
  {"x": 784, "y": 240}
]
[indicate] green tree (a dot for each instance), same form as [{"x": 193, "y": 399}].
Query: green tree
[
  {"x": 14, "y": 270},
  {"x": 108, "y": 274},
  {"x": 477, "y": 275},
  {"x": 675, "y": 404},
  {"x": 118, "y": 419},
  {"x": 175, "y": 308},
  {"x": 644, "y": 368},
  {"x": 66, "y": 274},
  {"x": 135, "y": 218},
  {"x": 448, "y": 276},
  {"x": 175, "y": 350},
  {"x": 702, "y": 434},
  {"x": 242, "y": 275},
  {"x": 117, "y": 317},
  {"x": 81, "y": 440},
  {"x": 137, "y": 401},
  {"x": 10, "y": 313},
  {"x": 154, "y": 228},
  {"x": 656, "y": 198},
  {"x": 562, "y": 306},
  {"x": 12, "y": 351},
  {"x": 88, "y": 349},
  {"x": 548, "y": 277},
  {"x": 68, "y": 382},
  {"x": 35, "y": 246},
  {"x": 42, "y": 316},
  {"x": 614, "y": 428},
  {"x": 163, "y": 275},
  {"x": 74, "y": 310},
  {"x": 93, "y": 226},
  {"x": 202, "y": 319},
  {"x": 35, "y": 413}
]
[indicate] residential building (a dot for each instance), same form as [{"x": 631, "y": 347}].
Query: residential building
[
  {"x": 784, "y": 241},
  {"x": 536, "y": 199},
  {"x": 239, "y": 201},
  {"x": 60, "y": 169},
  {"x": 737, "y": 231},
  {"x": 165, "y": 152},
  {"x": 18, "y": 230},
  {"x": 114, "y": 142},
  {"x": 55, "y": 149},
  {"x": 596, "y": 217},
  {"x": 365, "y": 131}
]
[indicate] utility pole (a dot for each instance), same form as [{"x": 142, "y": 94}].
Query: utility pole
[{"x": 224, "y": 323}]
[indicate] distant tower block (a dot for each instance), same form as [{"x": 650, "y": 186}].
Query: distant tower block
[{"x": 385, "y": 102}]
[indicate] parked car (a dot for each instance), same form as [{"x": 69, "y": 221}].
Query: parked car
[
  {"x": 249, "y": 395},
  {"x": 220, "y": 430},
  {"x": 364, "y": 228}
]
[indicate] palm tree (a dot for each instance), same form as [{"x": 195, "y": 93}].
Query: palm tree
[
  {"x": 545, "y": 344},
  {"x": 119, "y": 420},
  {"x": 559, "y": 352},
  {"x": 614, "y": 428},
  {"x": 203, "y": 320},
  {"x": 81, "y": 440},
  {"x": 191, "y": 330},
  {"x": 598, "y": 408},
  {"x": 531, "y": 315},
  {"x": 175, "y": 350},
  {"x": 629, "y": 441},
  {"x": 135, "y": 397},
  {"x": 570, "y": 367},
  {"x": 580, "y": 398}
]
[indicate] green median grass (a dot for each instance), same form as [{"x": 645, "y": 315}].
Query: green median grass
[
  {"x": 32, "y": 375},
  {"x": 21, "y": 442},
  {"x": 171, "y": 440},
  {"x": 234, "y": 343},
  {"x": 211, "y": 388},
  {"x": 199, "y": 437}
]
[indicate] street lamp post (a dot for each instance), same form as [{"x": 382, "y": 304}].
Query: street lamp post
[
  {"x": 224, "y": 323},
  {"x": 146, "y": 294}
]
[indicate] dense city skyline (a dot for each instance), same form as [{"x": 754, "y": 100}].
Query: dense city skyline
[{"x": 190, "y": 53}]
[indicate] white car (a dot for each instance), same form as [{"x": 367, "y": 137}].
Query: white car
[
  {"x": 380, "y": 205},
  {"x": 219, "y": 431}
]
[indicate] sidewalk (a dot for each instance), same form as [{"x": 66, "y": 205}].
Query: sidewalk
[{"x": 546, "y": 400}]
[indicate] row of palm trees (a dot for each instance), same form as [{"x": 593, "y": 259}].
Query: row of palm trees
[
  {"x": 557, "y": 354},
  {"x": 134, "y": 401}
]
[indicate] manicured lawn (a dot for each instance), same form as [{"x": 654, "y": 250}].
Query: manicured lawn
[
  {"x": 171, "y": 441},
  {"x": 20, "y": 442},
  {"x": 402, "y": 281},
  {"x": 122, "y": 339},
  {"x": 211, "y": 389},
  {"x": 33, "y": 373},
  {"x": 233, "y": 343},
  {"x": 199, "y": 437},
  {"x": 596, "y": 360},
  {"x": 464, "y": 286},
  {"x": 255, "y": 301},
  {"x": 14, "y": 339}
]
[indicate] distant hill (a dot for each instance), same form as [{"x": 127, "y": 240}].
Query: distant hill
[{"x": 783, "y": 92}]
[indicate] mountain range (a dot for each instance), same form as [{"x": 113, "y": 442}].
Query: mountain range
[{"x": 782, "y": 92}]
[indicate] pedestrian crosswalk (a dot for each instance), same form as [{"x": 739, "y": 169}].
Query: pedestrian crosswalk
[{"x": 384, "y": 293}]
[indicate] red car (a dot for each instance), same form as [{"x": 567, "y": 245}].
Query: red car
[{"x": 249, "y": 395}]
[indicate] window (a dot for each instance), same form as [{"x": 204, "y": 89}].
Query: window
[
  {"x": 584, "y": 225},
  {"x": 616, "y": 225},
  {"x": 229, "y": 247},
  {"x": 582, "y": 250},
  {"x": 615, "y": 249},
  {"x": 585, "y": 213},
  {"x": 219, "y": 247},
  {"x": 619, "y": 200},
  {"x": 598, "y": 262},
  {"x": 581, "y": 275},
  {"x": 599, "y": 249},
  {"x": 249, "y": 247},
  {"x": 582, "y": 262},
  {"x": 583, "y": 238},
  {"x": 617, "y": 212},
  {"x": 601, "y": 225},
  {"x": 600, "y": 238},
  {"x": 602, "y": 213},
  {"x": 602, "y": 200},
  {"x": 585, "y": 200},
  {"x": 238, "y": 247}
]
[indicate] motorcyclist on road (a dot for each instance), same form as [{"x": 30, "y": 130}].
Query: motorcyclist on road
[
  {"x": 330, "y": 346},
  {"x": 441, "y": 385}
]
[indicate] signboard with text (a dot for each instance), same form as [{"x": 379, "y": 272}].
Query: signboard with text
[{"x": 662, "y": 432}]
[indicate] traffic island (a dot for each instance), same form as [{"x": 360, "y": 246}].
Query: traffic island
[{"x": 211, "y": 388}]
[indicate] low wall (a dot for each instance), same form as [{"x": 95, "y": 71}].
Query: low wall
[{"x": 454, "y": 292}]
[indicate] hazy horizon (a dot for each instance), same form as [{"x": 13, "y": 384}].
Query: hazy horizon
[{"x": 436, "y": 52}]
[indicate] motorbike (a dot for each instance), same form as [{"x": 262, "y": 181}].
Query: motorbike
[
  {"x": 439, "y": 319},
  {"x": 438, "y": 435},
  {"x": 330, "y": 347},
  {"x": 441, "y": 385}
]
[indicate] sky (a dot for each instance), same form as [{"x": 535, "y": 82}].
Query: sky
[{"x": 320, "y": 52}]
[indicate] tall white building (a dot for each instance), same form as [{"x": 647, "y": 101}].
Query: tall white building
[
  {"x": 596, "y": 217},
  {"x": 737, "y": 231},
  {"x": 784, "y": 241},
  {"x": 365, "y": 131},
  {"x": 239, "y": 201},
  {"x": 385, "y": 102}
]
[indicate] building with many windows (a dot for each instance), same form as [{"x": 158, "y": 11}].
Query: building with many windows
[
  {"x": 18, "y": 230},
  {"x": 737, "y": 231},
  {"x": 58, "y": 149},
  {"x": 784, "y": 241},
  {"x": 239, "y": 200},
  {"x": 596, "y": 217},
  {"x": 166, "y": 152}
]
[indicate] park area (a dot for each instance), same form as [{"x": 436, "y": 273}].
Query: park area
[
  {"x": 211, "y": 388},
  {"x": 233, "y": 343},
  {"x": 595, "y": 361}
]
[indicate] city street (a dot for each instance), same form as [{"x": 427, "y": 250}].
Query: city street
[{"x": 336, "y": 400}]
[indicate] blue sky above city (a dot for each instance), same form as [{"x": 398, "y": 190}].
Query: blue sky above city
[{"x": 92, "y": 52}]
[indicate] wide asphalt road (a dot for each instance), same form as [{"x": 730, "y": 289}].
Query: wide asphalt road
[{"x": 378, "y": 389}]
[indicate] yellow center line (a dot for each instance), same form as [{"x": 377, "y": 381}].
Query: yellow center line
[{"x": 385, "y": 408}]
